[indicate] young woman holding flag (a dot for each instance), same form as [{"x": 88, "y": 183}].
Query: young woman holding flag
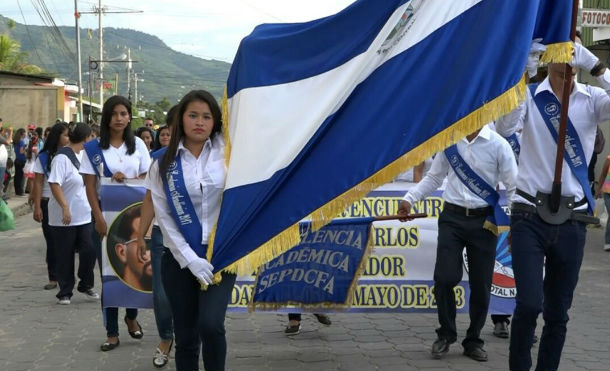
[{"x": 193, "y": 169}]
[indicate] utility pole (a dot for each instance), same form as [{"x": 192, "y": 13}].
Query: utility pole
[
  {"x": 79, "y": 64},
  {"x": 135, "y": 83},
  {"x": 99, "y": 10},
  {"x": 129, "y": 73},
  {"x": 101, "y": 57}
]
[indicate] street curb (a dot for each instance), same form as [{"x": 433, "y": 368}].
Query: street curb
[{"x": 21, "y": 209}]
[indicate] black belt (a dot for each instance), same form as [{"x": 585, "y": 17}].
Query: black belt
[
  {"x": 577, "y": 215},
  {"x": 533, "y": 199},
  {"x": 468, "y": 212}
]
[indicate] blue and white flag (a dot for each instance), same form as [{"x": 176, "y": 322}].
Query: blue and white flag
[
  {"x": 320, "y": 272},
  {"x": 320, "y": 113}
]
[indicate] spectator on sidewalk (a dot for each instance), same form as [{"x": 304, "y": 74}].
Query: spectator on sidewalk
[
  {"x": 70, "y": 219},
  {"x": 603, "y": 190},
  {"x": 20, "y": 160},
  {"x": 41, "y": 193}
]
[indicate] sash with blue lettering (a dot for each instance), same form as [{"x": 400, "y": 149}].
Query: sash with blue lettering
[
  {"x": 94, "y": 152},
  {"x": 44, "y": 162},
  {"x": 498, "y": 221},
  {"x": 549, "y": 108},
  {"x": 182, "y": 207}
]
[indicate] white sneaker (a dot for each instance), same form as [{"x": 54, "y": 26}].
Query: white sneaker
[
  {"x": 607, "y": 247},
  {"x": 63, "y": 300},
  {"x": 90, "y": 294}
]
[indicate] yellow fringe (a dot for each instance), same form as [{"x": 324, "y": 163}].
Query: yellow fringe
[
  {"x": 252, "y": 306},
  {"x": 558, "y": 53},
  {"x": 225, "y": 126},
  {"x": 494, "y": 228},
  {"x": 488, "y": 112}
]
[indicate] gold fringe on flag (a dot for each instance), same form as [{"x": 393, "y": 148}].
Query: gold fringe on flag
[
  {"x": 558, "y": 53},
  {"x": 499, "y": 106},
  {"x": 320, "y": 307}
]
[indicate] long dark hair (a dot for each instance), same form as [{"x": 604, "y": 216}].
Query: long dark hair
[
  {"x": 17, "y": 135},
  {"x": 178, "y": 126},
  {"x": 52, "y": 142},
  {"x": 128, "y": 136},
  {"x": 157, "y": 143}
]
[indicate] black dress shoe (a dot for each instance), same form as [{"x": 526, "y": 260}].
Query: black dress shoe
[
  {"x": 323, "y": 319},
  {"x": 501, "y": 330},
  {"x": 440, "y": 348},
  {"x": 476, "y": 353},
  {"x": 106, "y": 347}
]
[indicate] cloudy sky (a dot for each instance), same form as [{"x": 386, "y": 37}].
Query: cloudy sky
[{"x": 204, "y": 28}]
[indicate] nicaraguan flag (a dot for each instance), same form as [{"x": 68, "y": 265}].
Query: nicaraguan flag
[{"x": 322, "y": 112}]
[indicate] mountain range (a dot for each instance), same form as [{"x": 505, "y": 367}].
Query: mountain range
[{"x": 162, "y": 71}]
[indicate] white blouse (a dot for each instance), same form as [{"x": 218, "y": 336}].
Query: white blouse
[{"x": 204, "y": 180}]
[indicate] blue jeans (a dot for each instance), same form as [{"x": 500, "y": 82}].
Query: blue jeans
[
  {"x": 533, "y": 240},
  {"x": 607, "y": 202},
  {"x": 199, "y": 316},
  {"x": 163, "y": 311}
]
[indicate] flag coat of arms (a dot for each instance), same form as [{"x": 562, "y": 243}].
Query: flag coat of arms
[{"x": 317, "y": 114}]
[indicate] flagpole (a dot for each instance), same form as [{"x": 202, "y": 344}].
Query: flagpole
[{"x": 561, "y": 134}]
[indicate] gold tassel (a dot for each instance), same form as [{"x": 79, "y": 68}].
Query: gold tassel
[{"x": 558, "y": 53}]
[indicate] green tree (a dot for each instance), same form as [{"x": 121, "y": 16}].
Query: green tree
[{"x": 13, "y": 59}]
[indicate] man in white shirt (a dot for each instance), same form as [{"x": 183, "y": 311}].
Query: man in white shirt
[
  {"x": 461, "y": 224},
  {"x": 555, "y": 245}
]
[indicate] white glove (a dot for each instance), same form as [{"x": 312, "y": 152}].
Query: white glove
[
  {"x": 536, "y": 49},
  {"x": 202, "y": 270},
  {"x": 583, "y": 58}
]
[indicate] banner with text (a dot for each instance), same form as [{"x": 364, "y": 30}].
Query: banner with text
[
  {"x": 319, "y": 272},
  {"x": 398, "y": 274}
]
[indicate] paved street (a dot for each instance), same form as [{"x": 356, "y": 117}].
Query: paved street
[{"x": 37, "y": 334}]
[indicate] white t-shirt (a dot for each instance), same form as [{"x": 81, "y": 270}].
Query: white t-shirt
[
  {"x": 117, "y": 159},
  {"x": 46, "y": 190},
  {"x": 3, "y": 156},
  {"x": 71, "y": 182}
]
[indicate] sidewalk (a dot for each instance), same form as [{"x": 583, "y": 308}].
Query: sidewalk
[{"x": 19, "y": 205}]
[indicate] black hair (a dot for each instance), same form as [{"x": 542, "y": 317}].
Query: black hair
[
  {"x": 178, "y": 129},
  {"x": 142, "y": 129},
  {"x": 39, "y": 131},
  {"x": 170, "y": 115},
  {"x": 79, "y": 133},
  {"x": 52, "y": 142},
  {"x": 128, "y": 136},
  {"x": 157, "y": 144},
  {"x": 17, "y": 135},
  {"x": 95, "y": 128}
]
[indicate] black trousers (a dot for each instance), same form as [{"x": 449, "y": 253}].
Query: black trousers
[
  {"x": 199, "y": 316},
  {"x": 48, "y": 237},
  {"x": 68, "y": 240},
  {"x": 456, "y": 232},
  {"x": 18, "y": 179}
]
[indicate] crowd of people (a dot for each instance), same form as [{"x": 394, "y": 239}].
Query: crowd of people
[{"x": 61, "y": 169}]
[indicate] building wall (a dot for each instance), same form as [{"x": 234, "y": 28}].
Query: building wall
[{"x": 21, "y": 105}]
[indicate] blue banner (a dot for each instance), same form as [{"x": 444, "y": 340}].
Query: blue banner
[
  {"x": 126, "y": 278},
  {"x": 321, "y": 271}
]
